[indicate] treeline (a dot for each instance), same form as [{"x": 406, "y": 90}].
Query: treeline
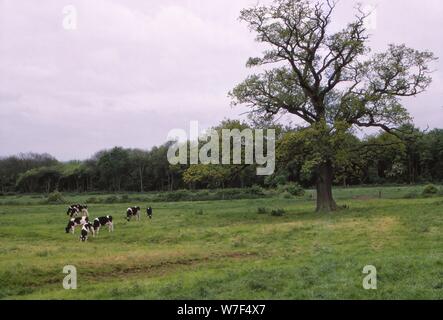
[{"x": 378, "y": 159}]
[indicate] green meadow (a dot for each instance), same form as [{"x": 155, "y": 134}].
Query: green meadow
[{"x": 232, "y": 249}]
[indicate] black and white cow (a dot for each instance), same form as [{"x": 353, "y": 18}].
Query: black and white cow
[
  {"x": 75, "y": 210},
  {"x": 84, "y": 210},
  {"x": 133, "y": 212},
  {"x": 101, "y": 222},
  {"x": 149, "y": 212},
  {"x": 87, "y": 228},
  {"x": 75, "y": 222}
]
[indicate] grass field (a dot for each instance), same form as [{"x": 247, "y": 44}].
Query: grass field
[{"x": 227, "y": 250}]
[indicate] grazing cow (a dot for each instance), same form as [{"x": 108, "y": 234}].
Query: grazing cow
[
  {"x": 75, "y": 209},
  {"x": 84, "y": 210},
  {"x": 103, "y": 221},
  {"x": 86, "y": 230},
  {"x": 75, "y": 222},
  {"x": 133, "y": 212},
  {"x": 149, "y": 212}
]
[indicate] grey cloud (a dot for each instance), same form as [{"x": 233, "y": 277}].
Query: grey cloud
[{"x": 133, "y": 70}]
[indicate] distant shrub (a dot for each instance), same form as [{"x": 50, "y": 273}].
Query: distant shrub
[
  {"x": 199, "y": 212},
  {"x": 430, "y": 190},
  {"x": 55, "y": 197},
  {"x": 203, "y": 193},
  {"x": 111, "y": 199},
  {"x": 208, "y": 195},
  {"x": 179, "y": 195},
  {"x": 229, "y": 194},
  {"x": 411, "y": 195},
  {"x": 12, "y": 203},
  {"x": 278, "y": 213},
  {"x": 93, "y": 200},
  {"x": 292, "y": 188},
  {"x": 255, "y": 190},
  {"x": 125, "y": 198},
  {"x": 286, "y": 195},
  {"x": 275, "y": 180},
  {"x": 262, "y": 210}
]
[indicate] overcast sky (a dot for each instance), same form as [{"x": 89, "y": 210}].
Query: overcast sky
[{"x": 135, "y": 69}]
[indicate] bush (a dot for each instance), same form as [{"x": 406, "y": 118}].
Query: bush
[
  {"x": 110, "y": 199},
  {"x": 430, "y": 190},
  {"x": 275, "y": 180},
  {"x": 55, "y": 198},
  {"x": 262, "y": 210},
  {"x": 278, "y": 213},
  {"x": 125, "y": 198},
  {"x": 93, "y": 200},
  {"x": 292, "y": 188},
  {"x": 179, "y": 195},
  {"x": 199, "y": 212},
  {"x": 287, "y": 195},
  {"x": 255, "y": 190},
  {"x": 228, "y": 194},
  {"x": 208, "y": 195},
  {"x": 411, "y": 195}
]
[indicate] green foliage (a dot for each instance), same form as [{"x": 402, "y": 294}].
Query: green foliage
[
  {"x": 262, "y": 210},
  {"x": 276, "y": 180},
  {"x": 93, "y": 200},
  {"x": 211, "y": 175},
  {"x": 179, "y": 195},
  {"x": 303, "y": 72},
  {"x": 55, "y": 198},
  {"x": 430, "y": 190},
  {"x": 255, "y": 190},
  {"x": 111, "y": 199},
  {"x": 411, "y": 195},
  {"x": 286, "y": 195},
  {"x": 278, "y": 213},
  {"x": 293, "y": 189}
]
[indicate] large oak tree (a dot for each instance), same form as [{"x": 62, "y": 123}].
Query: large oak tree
[{"x": 328, "y": 79}]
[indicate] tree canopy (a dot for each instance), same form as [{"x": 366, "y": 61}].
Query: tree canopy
[{"x": 327, "y": 79}]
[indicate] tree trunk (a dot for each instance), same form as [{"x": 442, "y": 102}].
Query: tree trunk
[
  {"x": 141, "y": 178},
  {"x": 325, "y": 201}
]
